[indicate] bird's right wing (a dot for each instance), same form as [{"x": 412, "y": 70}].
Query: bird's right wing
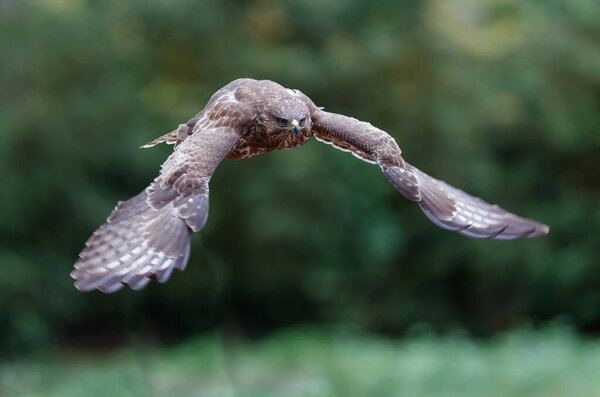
[
  {"x": 446, "y": 206},
  {"x": 184, "y": 177},
  {"x": 148, "y": 236}
]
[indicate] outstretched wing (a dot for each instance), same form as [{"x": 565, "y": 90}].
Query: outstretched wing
[
  {"x": 184, "y": 177},
  {"x": 448, "y": 207},
  {"x": 148, "y": 236}
]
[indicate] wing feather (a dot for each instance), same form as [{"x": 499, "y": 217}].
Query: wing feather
[
  {"x": 446, "y": 206},
  {"x": 148, "y": 236},
  {"x": 344, "y": 146}
]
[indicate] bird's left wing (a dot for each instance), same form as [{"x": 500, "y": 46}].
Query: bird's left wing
[{"x": 446, "y": 206}]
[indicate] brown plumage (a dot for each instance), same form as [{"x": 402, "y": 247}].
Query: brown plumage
[{"x": 148, "y": 236}]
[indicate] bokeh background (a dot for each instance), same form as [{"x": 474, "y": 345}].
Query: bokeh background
[{"x": 313, "y": 275}]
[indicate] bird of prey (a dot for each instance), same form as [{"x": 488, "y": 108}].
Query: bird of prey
[{"x": 148, "y": 236}]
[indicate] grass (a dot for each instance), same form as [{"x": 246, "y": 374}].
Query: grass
[{"x": 309, "y": 362}]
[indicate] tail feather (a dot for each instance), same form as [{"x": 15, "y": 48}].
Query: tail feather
[
  {"x": 170, "y": 138},
  {"x": 175, "y": 136}
]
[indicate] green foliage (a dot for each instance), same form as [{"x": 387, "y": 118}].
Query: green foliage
[
  {"x": 498, "y": 97},
  {"x": 308, "y": 362}
]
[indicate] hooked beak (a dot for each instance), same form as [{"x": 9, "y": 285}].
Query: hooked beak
[{"x": 295, "y": 125}]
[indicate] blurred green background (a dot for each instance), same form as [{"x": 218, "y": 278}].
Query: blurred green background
[{"x": 306, "y": 249}]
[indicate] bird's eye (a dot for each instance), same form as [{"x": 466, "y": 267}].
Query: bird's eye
[
  {"x": 282, "y": 121},
  {"x": 302, "y": 121}
]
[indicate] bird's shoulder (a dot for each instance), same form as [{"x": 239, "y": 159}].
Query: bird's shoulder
[{"x": 226, "y": 109}]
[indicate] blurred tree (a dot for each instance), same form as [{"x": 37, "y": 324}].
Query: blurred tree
[{"x": 500, "y": 97}]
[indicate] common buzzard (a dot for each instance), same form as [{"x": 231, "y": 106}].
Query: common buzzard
[{"x": 148, "y": 236}]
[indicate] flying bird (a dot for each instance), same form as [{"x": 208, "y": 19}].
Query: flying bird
[{"x": 148, "y": 236}]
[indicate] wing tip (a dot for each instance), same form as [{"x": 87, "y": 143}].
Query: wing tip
[{"x": 539, "y": 231}]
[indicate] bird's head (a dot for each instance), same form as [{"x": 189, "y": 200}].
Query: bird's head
[
  {"x": 291, "y": 117},
  {"x": 290, "y": 123}
]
